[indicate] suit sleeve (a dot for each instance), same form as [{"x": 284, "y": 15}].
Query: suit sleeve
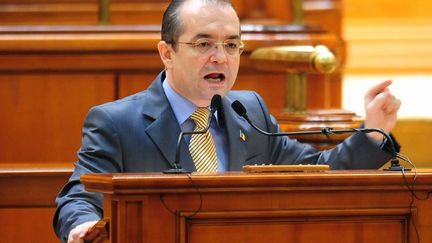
[
  {"x": 100, "y": 152},
  {"x": 356, "y": 152}
]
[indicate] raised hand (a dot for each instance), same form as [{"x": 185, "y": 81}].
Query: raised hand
[{"x": 381, "y": 108}]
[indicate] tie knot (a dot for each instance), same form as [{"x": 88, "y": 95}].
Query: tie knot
[{"x": 200, "y": 117}]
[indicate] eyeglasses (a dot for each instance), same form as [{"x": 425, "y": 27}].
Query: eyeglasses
[{"x": 203, "y": 46}]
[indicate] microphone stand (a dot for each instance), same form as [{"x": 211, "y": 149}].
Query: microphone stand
[
  {"x": 176, "y": 167},
  {"x": 395, "y": 165}
]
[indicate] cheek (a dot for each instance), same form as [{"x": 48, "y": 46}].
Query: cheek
[
  {"x": 191, "y": 62},
  {"x": 197, "y": 67},
  {"x": 234, "y": 67}
]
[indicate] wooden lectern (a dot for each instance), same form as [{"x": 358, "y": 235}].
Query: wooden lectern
[{"x": 330, "y": 206}]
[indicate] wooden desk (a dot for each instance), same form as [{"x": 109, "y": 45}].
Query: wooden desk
[{"x": 333, "y": 206}]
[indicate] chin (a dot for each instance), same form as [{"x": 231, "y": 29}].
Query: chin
[{"x": 222, "y": 93}]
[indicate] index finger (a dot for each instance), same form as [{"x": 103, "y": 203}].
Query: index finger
[{"x": 372, "y": 92}]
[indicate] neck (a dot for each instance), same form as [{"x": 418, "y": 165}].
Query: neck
[{"x": 198, "y": 102}]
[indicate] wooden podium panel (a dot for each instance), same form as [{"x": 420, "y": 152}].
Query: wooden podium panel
[
  {"x": 331, "y": 206},
  {"x": 27, "y": 200}
]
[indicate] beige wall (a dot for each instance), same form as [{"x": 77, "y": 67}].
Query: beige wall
[{"x": 388, "y": 36}]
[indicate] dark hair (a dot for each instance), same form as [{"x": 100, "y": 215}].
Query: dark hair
[{"x": 172, "y": 25}]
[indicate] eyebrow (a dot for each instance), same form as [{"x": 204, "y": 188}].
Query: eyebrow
[{"x": 202, "y": 35}]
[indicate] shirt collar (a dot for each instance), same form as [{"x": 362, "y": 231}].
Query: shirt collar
[{"x": 181, "y": 106}]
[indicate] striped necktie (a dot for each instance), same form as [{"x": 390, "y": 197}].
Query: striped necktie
[{"x": 201, "y": 146}]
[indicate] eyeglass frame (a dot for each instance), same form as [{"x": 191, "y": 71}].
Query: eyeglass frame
[{"x": 241, "y": 45}]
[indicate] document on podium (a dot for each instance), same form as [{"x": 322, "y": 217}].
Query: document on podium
[{"x": 285, "y": 168}]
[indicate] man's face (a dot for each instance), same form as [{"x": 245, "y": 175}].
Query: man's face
[{"x": 198, "y": 76}]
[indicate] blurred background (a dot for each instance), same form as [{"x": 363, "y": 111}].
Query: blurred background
[{"x": 393, "y": 40}]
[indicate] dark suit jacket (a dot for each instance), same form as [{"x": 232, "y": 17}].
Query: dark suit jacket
[{"x": 139, "y": 134}]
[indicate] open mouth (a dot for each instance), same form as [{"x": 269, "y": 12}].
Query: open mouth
[{"x": 215, "y": 77}]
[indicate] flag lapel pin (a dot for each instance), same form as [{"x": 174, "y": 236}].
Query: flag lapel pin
[{"x": 242, "y": 136}]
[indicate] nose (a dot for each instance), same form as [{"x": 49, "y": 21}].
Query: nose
[{"x": 219, "y": 55}]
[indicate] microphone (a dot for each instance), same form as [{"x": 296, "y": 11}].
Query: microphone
[
  {"x": 395, "y": 165},
  {"x": 176, "y": 168}
]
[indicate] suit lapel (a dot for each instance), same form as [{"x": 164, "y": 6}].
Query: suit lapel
[
  {"x": 237, "y": 131},
  {"x": 164, "y": 133},
  {"x": 164, "y": 130}
]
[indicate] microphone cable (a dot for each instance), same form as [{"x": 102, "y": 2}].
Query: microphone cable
[{"x": 176, "y": 212}]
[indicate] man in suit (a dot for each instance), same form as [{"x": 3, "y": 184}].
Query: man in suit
[{"x": 200, "y": 48}]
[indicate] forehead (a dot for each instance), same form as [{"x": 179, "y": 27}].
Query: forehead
[{"x": 217, "y": 21}]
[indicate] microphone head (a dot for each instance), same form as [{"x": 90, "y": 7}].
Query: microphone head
[
  {"x": 239, "y": 108},
  {"x": 216, "y": 102}
]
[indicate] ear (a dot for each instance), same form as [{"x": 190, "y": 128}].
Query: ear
[{"x": 165, "y": 52}]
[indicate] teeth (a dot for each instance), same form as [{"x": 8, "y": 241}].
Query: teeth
[{"x": 214, "y": 79}]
